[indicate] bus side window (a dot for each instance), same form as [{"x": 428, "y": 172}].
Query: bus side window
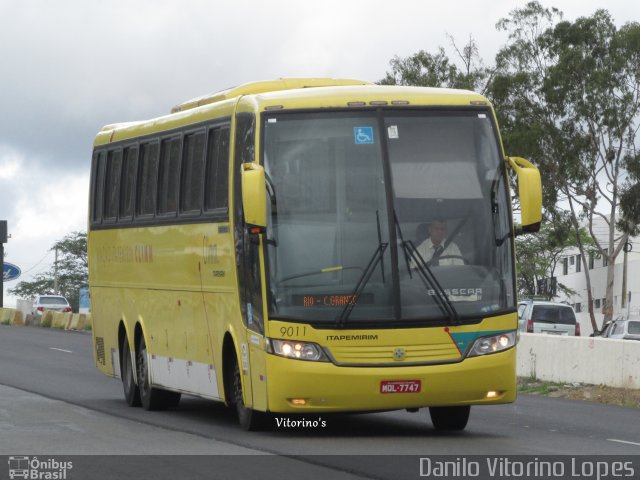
[
  {"x": 127, "y": 185},
  {"x": 193, "y": 162},
  {"x": 217, "y": 169},
  {"x": 97, "y": 187},
  {"x": 169, "y": 177},
  {"x": 112, "y": 185},
  {"x": 148, "y": 175}
]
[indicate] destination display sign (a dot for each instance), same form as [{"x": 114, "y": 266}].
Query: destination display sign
[{"x": 332, "y": 300}]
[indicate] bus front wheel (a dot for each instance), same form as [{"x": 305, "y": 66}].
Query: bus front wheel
[
  {"x": 450, "y": 418},
  {"x": 248, "y": 418}
]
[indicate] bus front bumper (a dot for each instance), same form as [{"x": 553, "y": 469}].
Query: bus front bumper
[{"x": 305, "y": 386}]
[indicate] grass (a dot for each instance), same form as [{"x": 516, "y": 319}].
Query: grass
[{"x": 624, "y": 397}]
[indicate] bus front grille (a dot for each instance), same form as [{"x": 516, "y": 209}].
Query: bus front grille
[{"x": 396, "y": 355}]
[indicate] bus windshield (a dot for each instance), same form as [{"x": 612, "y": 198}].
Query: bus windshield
[{"x": 387, "y": 216}]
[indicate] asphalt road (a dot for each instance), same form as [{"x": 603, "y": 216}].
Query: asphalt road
[{"x": 54, "y": 401}]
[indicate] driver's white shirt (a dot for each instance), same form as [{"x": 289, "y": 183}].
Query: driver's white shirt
[{"x": 427, "y": 249}]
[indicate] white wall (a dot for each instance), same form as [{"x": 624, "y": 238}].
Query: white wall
[
  {"x": 24, "y": 306},
  {"x": 597, "y": 361}
]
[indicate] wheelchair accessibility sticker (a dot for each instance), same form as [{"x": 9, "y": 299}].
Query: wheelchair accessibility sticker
[{"x": 363, "y": 135}]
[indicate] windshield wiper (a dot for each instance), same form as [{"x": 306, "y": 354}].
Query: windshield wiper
[
  {"x": 362, "y": 282},
  {"x": 430, "y": 281},
  {"x": 406, "y": 256},
  {"x": 364, "y": 278}
]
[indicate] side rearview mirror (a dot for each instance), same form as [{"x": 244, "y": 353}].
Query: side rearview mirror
[
  {"x": 254, "y": 194},
  {"x": 530, "y": 193}
]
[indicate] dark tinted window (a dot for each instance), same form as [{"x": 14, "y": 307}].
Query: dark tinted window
[
  {"x": 53, "y": 301},
  {"x": 217, "y": 175},
  {"x": 127, "y": 185},
  {"x": 192, "y": 172},
  {"x": 148, "y": 177},
  {"x": 634, "y": 328},
  {"x": 97, "y": 187},
  {"x": 553, "y": 314},
  {"x": 112, "y": 185},
  {"x": 169, "y": 178}
]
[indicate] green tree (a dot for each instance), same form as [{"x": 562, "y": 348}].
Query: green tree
[
  {"x": 537, "y": 256},
  {"x": 68, "y": 274},
  {"x": 567, "y": 96},
  {"x": 630, "y": 201},
  {"x": 424, "y": 69}
]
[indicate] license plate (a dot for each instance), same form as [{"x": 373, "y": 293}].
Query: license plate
[{"x": 400, "y": 386}]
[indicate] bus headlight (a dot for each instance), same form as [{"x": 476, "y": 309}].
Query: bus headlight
[
  {"x": 297, "y": 350},
  {"x": 492, "y": 344}
]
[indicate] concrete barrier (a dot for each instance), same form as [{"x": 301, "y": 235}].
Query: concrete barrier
[
  {"x": 563, "y": 359},
  {"x": 11, "y": 316},
  {"x": 46, "y": 318},
  {"x": 33, "y": 320},
  {"x": 79, "y": 321},
  {"x": 18, "y": 319},
  {"x": 84, "y": 322},
  {"x": 61, "y": 320}
]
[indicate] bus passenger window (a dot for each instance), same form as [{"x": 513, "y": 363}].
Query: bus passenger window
[
  {"x": 97, "y": 187},
  {"x": 169, "y": 176},
  {"x": 148, "y": 176},
  {"x": 217, "y": 175},
  {"x": 128, "y": 182},
  {"x": 112, "y": 185},
  {"x": 192, "y": 172}
]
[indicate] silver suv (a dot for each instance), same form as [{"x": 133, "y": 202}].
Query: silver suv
[
  {"x": 623, "y": 328},
  {"x": 49, "y": 302},
  {"x": 536, "y": 316}
]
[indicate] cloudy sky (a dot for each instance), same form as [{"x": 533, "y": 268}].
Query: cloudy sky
[{"x": 71, "y": 66}]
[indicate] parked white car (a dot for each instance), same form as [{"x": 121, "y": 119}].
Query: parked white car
[
  {"x": 623, "y": 328},
  {"x": 49, "y": 302},
  {"x": 535, "y": 316}
]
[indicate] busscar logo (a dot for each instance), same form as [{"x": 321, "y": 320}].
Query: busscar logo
[{"x": 36, "y": 469}]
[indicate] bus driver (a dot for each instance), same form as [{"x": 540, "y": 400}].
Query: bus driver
[{"x": 435, "y": 250}]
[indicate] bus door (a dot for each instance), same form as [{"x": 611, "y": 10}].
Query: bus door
[{"x": 248, "y": 264}]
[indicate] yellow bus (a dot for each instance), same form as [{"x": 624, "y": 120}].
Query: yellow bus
[{"x": 269, "y": 246}]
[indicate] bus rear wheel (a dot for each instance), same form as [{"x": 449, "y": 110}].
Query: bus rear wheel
[
  {"x": 249, "y": 419},
  {"x": 450, "y": 418},
  {"x": 150, "y": 397},
  {"x": 131, "y": 390}
]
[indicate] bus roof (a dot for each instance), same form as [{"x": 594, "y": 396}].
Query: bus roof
[
  {"x": 293, "y": 93},
  {"x": 265, "y": 86}
]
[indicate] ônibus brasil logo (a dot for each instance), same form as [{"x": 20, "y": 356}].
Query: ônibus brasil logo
[{"x": 35, "y": 469}]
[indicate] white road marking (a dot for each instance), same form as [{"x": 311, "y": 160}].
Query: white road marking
[
  {"x": 60, "y": 350},
  {"x": 623, "y": 441}
]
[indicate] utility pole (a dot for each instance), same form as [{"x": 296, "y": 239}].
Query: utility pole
[
  {"x": 627, "y": 249},
  {"x": 3, "y": 240},
  {"x": 55, "y": 274}
]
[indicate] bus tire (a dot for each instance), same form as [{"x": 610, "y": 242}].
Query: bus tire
[
  {"x": 248, "y": 418},
  {"x": 449, "y": 418},
  {"x": 131, "y": 390},
  {"x": 150, "y": 397}
]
